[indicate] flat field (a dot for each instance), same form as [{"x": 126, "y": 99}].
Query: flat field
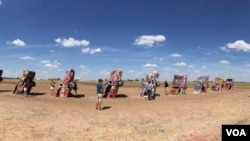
[{"x": 190, "y": 117}]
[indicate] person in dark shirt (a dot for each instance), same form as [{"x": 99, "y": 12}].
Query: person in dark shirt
[{"x": 166, "y": 87}]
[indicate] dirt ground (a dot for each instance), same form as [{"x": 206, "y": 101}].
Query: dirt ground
[{"x": 190, "y": 117}]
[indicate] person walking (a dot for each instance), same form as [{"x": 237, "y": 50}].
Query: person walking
[
  {"x": 99, "y": 92},
  {"x": 166, "y": 87}
]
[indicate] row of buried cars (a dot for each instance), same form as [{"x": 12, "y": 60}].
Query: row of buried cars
[
  {"x": 26, "y": 82},
  {"x": 179, "y": 84}
]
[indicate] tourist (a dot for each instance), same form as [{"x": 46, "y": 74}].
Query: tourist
[
  {"x": 74, "y": 87},
  {"x": 99, "y": 92},
  {"x": 149, "y": 89},
  {"x": 166, "y": 87},
  {"x": 52, "y": 87},
  {"x": 25, "y": 87}
]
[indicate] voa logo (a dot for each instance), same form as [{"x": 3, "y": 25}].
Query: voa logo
[{"x": 236, "y": 132}]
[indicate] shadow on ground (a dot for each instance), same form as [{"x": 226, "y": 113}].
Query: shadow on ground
[
  {"x": 156, "y": 95},
  {"x": 5, "y": 90},
  {"x": 121, "y": 96},
  {"x": 36, "y": 94},
  {"x": 76, "y": 96},
  {"x": 106, "y": 107}
]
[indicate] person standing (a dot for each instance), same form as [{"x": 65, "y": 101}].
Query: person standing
[
  {"x": 73, "y": 85},
  {"x": 52, "y": 87},
  {"x": 166, "y": 87},
  {"x": 99, "y": 92},
  {"x": 25, "y": 87},
  {"x": 149, "y": 89}
]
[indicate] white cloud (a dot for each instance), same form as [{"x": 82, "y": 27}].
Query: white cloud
[
  {"x": 48, "y": 64},
  {"x": 1, "y": 2},
  {"x": 175, "y": 55},
  {"x": 45, "y": 61},
  {"x": 104, "y": 72},
  {"x": 26, "y": 58},
  {"x": 86, "y": 50},
  {"x": 58, "y": 40},
  {"x": 16, "y": 42},
  {"x": 91, "y": 51},
  {"x": 149, "y": 40},
  {"x": 71, "y": 42},
  {"x": 84, "y": 69},
  {"x": 180, "y": 64},
  {"x": 150, "y": 65},
  {"x": 239, "y": 45},
  {"x": 224, "y": 62}
]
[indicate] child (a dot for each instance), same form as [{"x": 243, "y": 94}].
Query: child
[{"x": 52, "y": 87}]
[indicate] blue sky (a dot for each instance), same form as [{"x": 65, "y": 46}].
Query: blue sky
[{"x": 94, "y": 37}]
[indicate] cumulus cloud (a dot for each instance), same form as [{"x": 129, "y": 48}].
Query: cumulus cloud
[
  {"x": 239, "y": 45},
  {"x": 175, "y": 55},
  {"x": 180, "y": 64},
  {"x": 71, "y": 42},
  {"x": 26, "y": 58},
  {"x": 86, "y": 50},
  {"x": 16, "y": 42},
  {"x": 48, "y": 64},
  {"x": 150, "y": 65},
  {"x": 224, "y": 62},
  {"x": 91, "y": 51},
  {"x": 149, "y": 40}
]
